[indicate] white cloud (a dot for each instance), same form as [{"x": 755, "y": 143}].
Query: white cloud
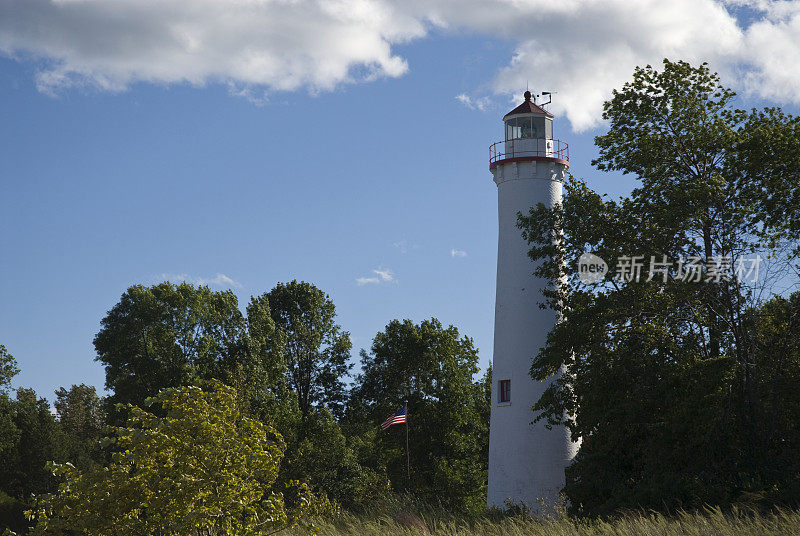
[
  {"x": 460, "y": 253},
  {"x": 381, "y": 276},
  {"x": 773, "y": 46},
  {"x": 218, "y": 281},
  {"x": 579, "y": 48},
  {"x": 273, "y": 44},
  {"x": 481, "y": 103}
]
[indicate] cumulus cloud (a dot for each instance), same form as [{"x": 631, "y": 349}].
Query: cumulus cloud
[
  {"x": 773, "y": 46},
  {"x": 583, "y": 49},
  {"x": 579, "y": 48},
  {"x": 217, "y": 281},
  {"x": 458, "y": 253},
  {"x": 381, "y": 276},
  {"x": 277, "y": 44}
]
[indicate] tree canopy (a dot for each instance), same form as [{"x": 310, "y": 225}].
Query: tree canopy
[
  {"x": 82, "y": 419},
  {"x": 316, "y": 349},
  {"x": 30, "y": 436},
  {"x": 171, "y": 335},
  {"x": 8, "y": 368},
  {"x": 432, "y": 367},
  {"x": 202, "y": 468}
]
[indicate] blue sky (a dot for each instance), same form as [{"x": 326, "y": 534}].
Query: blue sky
[{"x": 130, "y": 165}]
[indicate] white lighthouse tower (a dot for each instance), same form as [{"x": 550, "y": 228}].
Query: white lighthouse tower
[{"x": 526, "y": 461}]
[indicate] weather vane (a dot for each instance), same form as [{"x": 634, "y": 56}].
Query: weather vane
[{"x": 549, "y": 95}]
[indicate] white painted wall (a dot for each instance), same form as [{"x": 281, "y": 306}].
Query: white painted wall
[{"x": 526, "y": 461}]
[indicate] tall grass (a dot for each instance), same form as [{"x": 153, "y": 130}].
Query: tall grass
[{"x": 411, "y": 519}]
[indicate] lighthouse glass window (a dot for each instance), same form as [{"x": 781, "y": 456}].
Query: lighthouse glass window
[
  {"x": 525, "y": 127},
  {"x": 505, "y": 391},
  {"x": 512, "y": 130}
]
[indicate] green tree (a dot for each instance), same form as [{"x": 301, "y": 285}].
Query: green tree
[
  {"x": 431, "y": 367},
  {"x": 316, "y": 349},
  {"x": 30, "y": 438},
  {"x": 8, "y": 369},
  {"x": 81, "y": 415},
  {"x": 660, "y": 379},
  {"x": 202, "y": 468},
  {"x": 261, "y": 377},
  {"x": 8, "y": 431},
  {"x": 172, "y": 335},
  {"x": 319, "y": 453},
  {"x": 775, "y": 329},
  {"x": 10, "y": 507},
  {"x": 311, "y": 395},
  {"x": 40, "y": 440}
]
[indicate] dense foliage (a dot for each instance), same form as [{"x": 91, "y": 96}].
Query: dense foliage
[
  {"x": 431, "y": 368},
  {"x": 679, "y": 387},
  {"x": 287, "y": 358},
  {"x": 203, "y": 468},
  {"x": 316, "y": 349},
  {"x": 171, "y": 335},
  {"x": 30, "y": 436},
  {"x": 82, "y": 419}
]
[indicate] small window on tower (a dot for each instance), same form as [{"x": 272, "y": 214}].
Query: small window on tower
[{"x": 505, "y": 391}]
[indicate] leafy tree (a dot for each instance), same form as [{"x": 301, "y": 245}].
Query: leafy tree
[
  {"x": 172, "y": 335},
  {"x": 202, "y": 468},
  {"x": 775, "y": 330},
  {"x": 316, "y": 349},
  {"x": 8, "y": 368},
  {"x": 40, "y": 440},
  {"x": 261, "y": 376},
  {"x": 660, "y": 377},
  {"x": 81, "y": 415},
  {"x": 29, "y": 438},
  {"x": 319, "y": 454},
  {"x": 432, "y": 367},
  {"x": 10, "y": 507},
  {"x": 8, "y": 430}
]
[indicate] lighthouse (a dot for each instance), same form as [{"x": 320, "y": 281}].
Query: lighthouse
[{"x": 526, "y": 461}]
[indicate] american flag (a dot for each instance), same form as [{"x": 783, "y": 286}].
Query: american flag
[{"x": 398, "y": 417}]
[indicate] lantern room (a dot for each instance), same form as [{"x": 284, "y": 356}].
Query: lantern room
[
  {"x": 528, "y": 136},
  {"x": 528, "y": 121}
]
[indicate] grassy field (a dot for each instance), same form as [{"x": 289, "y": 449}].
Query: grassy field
[{"x": 711, "y": 522}]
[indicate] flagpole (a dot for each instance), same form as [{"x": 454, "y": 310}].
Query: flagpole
[{"x": 408, "y": 456}]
